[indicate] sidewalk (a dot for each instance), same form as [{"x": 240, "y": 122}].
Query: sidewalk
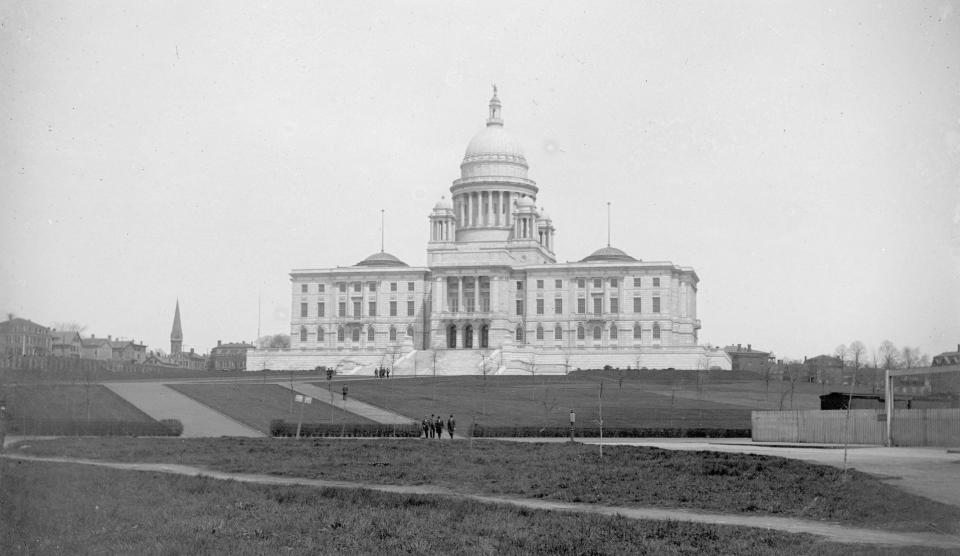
[
  {"x": 829, "y": 531},
  {"x": 160, "y": 402},
  {"x": 372, "y": 412}
]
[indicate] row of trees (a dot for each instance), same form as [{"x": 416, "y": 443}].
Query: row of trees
[{"x": 886, "y": 356}]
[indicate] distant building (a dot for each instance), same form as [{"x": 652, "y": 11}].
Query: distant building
[
  {"x": 66, "y": 343},
  {"x": 825, "y": 369},
  {"x": 748, "y": 359},
  {"x": 947, "y": 358},
  {"x": 189, "y": 360},
  {"x": 230, "y": 356},
  {"x": 128, "y": 350},
  {"x": 176, "y": 333},
  {"x": 24, "y": 337},
  {"x": 96, "y": 348}
]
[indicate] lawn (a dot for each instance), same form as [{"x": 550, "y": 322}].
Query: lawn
[
  {"x": 627, "y": 475},
  {"x": 66, "y": 402},
  {"x": 546, "y": 401},
  {"x": 72, "y": 509},
  {"x": 257, "y": 404}
]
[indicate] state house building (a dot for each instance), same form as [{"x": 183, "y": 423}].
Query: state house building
[{"x": 493, "y": 297}]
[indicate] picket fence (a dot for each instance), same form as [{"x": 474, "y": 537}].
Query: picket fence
[{"x": 911, "y": 427}]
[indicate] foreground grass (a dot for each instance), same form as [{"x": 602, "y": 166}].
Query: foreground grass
[
  {"x": 72, "y": 509},
  {"x": 546, "y": 401},
  {"x": 257, "y": 404},
  {"x": 627, "y": 475}
]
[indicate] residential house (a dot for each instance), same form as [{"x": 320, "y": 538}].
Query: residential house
[{"x": 24, "y": 337}]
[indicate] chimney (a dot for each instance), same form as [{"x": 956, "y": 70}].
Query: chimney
[
  {"x": 739, "y": 347},
  {"x": 218, "y": 343},
  {"x": 191, "y": 351},
  {"x": 804, "y": 358},
  {"x": 109, "y": 338},
  {"x": 749, "y": 347}
]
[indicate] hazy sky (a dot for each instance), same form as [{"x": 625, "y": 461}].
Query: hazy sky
[{"x": 803, "y": 157}]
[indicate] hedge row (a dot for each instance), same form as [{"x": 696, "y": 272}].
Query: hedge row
[
  {"x": 279, "y": 427},
  {"x": 608, "y": 432},
  {"x": 65, "y": 427}
]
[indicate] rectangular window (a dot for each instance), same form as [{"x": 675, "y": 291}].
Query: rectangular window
[
  {"x": 393, "y": 308},
  {"x": 320, "y": 288},
  {"x": 372, "y": 309},
  {"x": 356, "y": 308},
  {"x": 581, "y": 283},
  {"x": 539, "y": 332},
  {"x": 519, "y": 285},
  {"x": 580, "y": 332},
  {"x": 342, "y": 309},
  {"x": 411, "y": 286},
  {"x": 558, "y": 333},
  {"x": 303, "y": 288},
  {"x": 636, "y": 305},
  {"x": 614, "y": 305},
  {"x": 357, "y": 286},
  {"x": 342, "y": 286},
  {"x": 539, "y": 284},
  {"x": 393, "y": 286},
  {"x": 656, "y": 282},
  {"x": 597, "y": 283},
  {"x": 656, "y": 304},
  {"x": 558, "y": 306},
  {"x": 613, "y": 282},
  {"x": 371, "y": 286},
  {"x": 320, "y": 309},
  {"x": 410, "y": 308},
  {"x": 558, "y": 284},
  {"x": 636, "y": 332},
  {"x": 539, "y": 306},
  {"x": 636, "y": 282},
  {"x": 303, "y": 309},
  {"x": 597, "y": 305},
  {"x": 519, "y": 306},
  {"x": 581, "y": 305}
]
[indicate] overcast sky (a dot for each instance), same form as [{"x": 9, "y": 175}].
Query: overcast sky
[{"x": 803, "y": 157}]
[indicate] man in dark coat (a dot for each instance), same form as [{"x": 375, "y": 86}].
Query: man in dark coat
[
  {"x": 439, "y": 426},
  {"x": 451, "y": 425}
]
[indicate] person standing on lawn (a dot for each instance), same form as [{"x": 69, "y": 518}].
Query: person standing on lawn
[
  {"x": 451, "y": 425},
  {"x": 439, "y": 426},
  {"x": 423, "y": 425},
  {"x": 430, "y": 426}
]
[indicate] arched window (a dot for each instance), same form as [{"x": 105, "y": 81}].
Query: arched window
[
  {"x": 519, "y": 334},
  {"x": 636, "y": 331},
  {"x": 339, "y": 333},
  {"x": 613, "y": 331},
  {"x": 371, "y": 334},
  {"x": 355, "y": 334},
  {"x": 558, "y": 333},
  {"x": 656, "y": 331},
  {"x": 393, "y": 334},
  {"x": 539, "y": 332},
  {"x": 597, "y": 333},
  {"x": 410, "y": 331},
  {"x": 319, "y": 334},
  {"x": 303, "y": 333},
  {"x": 580, "y": 332}
]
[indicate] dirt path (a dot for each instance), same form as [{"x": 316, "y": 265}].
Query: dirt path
[{"x": 828, "y": 531}]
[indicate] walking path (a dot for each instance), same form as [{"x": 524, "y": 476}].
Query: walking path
[
  {"x": 828, "y": 531},
  {"x": 372, "y": 412},
  {"x": 160, "y": 402}
]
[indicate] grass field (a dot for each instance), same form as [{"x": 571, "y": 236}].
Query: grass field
[
  {"x": 88, "y": 402},
  {"x": 545, "y": 401},
  {"x": 70, "y": 509},
  {"x": 257, "y": 404},
  {"x": 629, "y": 476}
]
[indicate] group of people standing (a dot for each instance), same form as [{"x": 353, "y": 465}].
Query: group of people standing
[{"x": 433, "y": 426}]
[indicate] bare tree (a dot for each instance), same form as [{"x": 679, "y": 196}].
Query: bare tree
[
  {"x": 912, "y": 357},
  {"x": 840, "y": 352},
  {"x": 855, "y": 356},
  {"x": 273, "y": 341},
  {"x": 889, "y": 356},
  {"x": 71, "y": 326}
]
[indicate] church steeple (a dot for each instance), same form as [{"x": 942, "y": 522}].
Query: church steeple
[
  {"x": 494, "y": 118},
  {"x": 176, "y": 334}
]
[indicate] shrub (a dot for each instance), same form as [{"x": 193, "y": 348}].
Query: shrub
[
  {"x": 279, "y": 427},
  {"x": 608, "y": 432},
  {"x": 68, "y": 427},
  {"x": 173, "y": 425}
]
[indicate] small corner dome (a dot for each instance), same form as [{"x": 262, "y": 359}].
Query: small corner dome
[
  {"x": 443, "y": 204},
  {"x": 381, "y": 259},
  {"x": 608, "y": 254},
  {"x": 525, "y": 202},
  {"x": 545, "y": 216}
]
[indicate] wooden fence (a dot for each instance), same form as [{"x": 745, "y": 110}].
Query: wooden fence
[{"x": 911, "y": 427}]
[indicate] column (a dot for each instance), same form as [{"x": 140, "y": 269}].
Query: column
[
  {"x": 494, "y": 288},
  {"x": 508, "y": 210},
  {"x": 460, "y": 294},
  {"x": 495, "y": 206},
  {"x": 476, "y": 293}
]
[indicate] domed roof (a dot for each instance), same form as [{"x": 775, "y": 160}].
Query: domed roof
[
  {"x": 381, "y": 259},
  {"x": 494, "y": 143},
  {"x": 443, "y": 204},
  {"x": 608, "y": 254}
]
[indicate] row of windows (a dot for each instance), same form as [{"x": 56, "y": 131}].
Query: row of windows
[
  {"x": 597, "y": 305},
  {"x": 597, "y": 332},
  {"x": 357, "y": 286},
  {"x": 342, "y": 309},
  {"x": 597, "y": 283},
  {"x": 354, "y": 334}
]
